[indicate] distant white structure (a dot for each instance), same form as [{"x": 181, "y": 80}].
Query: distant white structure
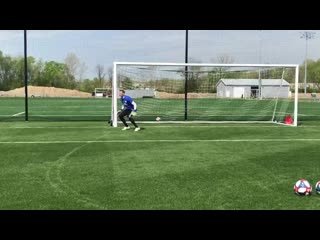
[
  {"x": 250, "y": 88},
  {"x": 102, "y": 92},
  {"x": 141, "y": 93}
]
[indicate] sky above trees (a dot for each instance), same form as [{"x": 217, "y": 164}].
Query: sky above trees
[{"x": 103, "y": 47}]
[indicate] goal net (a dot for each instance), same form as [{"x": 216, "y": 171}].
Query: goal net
[{"x": 208, "y": 92}]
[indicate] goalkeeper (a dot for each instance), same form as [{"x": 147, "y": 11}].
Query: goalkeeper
[{"x": 129, "y": 109}]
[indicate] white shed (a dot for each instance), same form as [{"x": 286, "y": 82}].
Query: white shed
[{"x": 250, "y": 88}]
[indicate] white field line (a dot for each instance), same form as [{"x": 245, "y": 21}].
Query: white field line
[
  {"x": 17, "y": 114},
  {"x": 163, "y": 140}
]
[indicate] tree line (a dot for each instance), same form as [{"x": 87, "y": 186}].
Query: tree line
[{"x": 68, "y": 74}]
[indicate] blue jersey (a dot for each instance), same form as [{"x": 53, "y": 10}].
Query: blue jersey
[{"x": 127, "y": 102}]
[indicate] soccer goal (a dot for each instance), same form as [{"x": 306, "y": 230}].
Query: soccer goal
[{"x": 179, "y": 92}]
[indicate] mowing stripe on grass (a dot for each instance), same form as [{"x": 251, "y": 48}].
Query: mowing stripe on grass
[
  {"x": 165, "y": 140},
  {"x": 53, "y": 175},
  {"x": 153, "y": 126},
  {"x": 102, "y": 127}
]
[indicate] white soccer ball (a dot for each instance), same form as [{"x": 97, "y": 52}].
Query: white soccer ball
[
  {"x": 302, "y": 187},
  {"x": 318, "y": 187},
  {"x": 158, "y": 119}
]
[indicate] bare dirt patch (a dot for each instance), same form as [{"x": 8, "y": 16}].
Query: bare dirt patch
[{"x": 36, "y": 91}]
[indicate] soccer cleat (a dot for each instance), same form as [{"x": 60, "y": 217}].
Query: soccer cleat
[
  {"x": 137, "y": 129},
  {"x": 126, "y": 128}
]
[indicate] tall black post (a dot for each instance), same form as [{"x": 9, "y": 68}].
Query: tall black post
[
  {"x": 186, "y": 81},
  {"x": 26, "y": 75}
]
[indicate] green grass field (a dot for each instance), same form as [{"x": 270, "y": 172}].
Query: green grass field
[
  {"x": 93, "y": 109},
  {"x": 67, "y": 156},
  {"x": 90, "y": 165}
]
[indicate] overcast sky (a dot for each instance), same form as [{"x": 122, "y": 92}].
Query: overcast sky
[{"x": 106, "y": 46}]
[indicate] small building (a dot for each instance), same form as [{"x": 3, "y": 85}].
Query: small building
[
  {"x": 250, "y": 88},
  {"x": 141, "y": 93}
]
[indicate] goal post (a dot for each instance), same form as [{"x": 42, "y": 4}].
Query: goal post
[{"x": 215, "y": 92}]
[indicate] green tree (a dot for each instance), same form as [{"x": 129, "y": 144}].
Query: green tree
[
  {"x": 87, "y": 85},
  {"x": 126, "y": 83},
  {"x": 37, "y": 73},
  {"x": 101, "y": 75},
  {"x": 6, "y": 72},
  {"x": 55, "y": 75}
]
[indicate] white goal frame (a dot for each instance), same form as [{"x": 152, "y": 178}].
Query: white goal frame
[{"x": 115, "y": 87}]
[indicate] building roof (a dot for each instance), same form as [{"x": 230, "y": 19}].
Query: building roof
[{"x": 253, "y": 82}]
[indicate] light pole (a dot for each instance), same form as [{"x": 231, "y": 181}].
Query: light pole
[
  {"x": 260, "y": 49},
  {"x": 306, "y": 35},
  {"x": 25, "y": 76},
  {"x": 186, "y": 80}
]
